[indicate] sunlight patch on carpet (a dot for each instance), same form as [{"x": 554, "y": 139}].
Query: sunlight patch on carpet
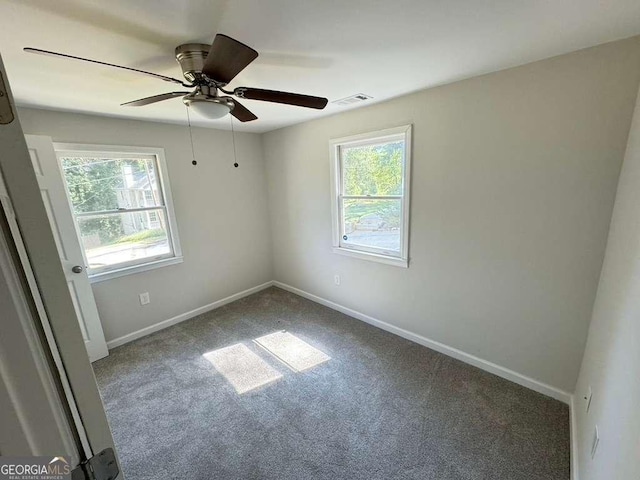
[
  {"x": 292, "y": 351},
  {"x": 242, "y": 368}
]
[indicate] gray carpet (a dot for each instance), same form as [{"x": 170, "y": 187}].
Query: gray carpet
[{"x": 380, "y": 407}]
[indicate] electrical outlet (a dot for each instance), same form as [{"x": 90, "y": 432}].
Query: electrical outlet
[
  {"x": 588, "y": 399},
  {"x": 336, "y": 279},
  {"x": 144, "y": 298},
  {"x": 595, "y": 442}
]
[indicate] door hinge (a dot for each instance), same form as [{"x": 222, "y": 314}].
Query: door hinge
[
  {"x": 6, "y": 112},
  {"x": 102, "y": 466}
]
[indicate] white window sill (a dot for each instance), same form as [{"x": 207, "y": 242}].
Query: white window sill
[
  {"x": 121, "y": 272},
  {"x": 373, "y": 257}
]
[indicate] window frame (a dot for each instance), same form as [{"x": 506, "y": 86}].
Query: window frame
[
  {"x": 337, "y": 197},
  {"x": 166, "y": 204}
]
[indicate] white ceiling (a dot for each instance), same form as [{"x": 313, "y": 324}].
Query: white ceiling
[{"x": 331, "y": 48}]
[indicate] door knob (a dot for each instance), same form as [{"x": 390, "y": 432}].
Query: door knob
[{"x": 77, "y": 269}]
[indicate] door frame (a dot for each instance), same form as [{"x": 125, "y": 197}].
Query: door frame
[
  {"x": 33, "y": 413},
  {"x": 43, "y": 259}
]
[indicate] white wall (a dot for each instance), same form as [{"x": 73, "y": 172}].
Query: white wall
[
  {"x": 514, "y": 179},
  {"x": 221, "y": 213},
  {"x": 611, "y": 364}
]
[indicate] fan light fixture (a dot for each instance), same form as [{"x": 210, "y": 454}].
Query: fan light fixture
[
  {"x": 207, "y": 69},
  {"x": 210, "y": 107}
]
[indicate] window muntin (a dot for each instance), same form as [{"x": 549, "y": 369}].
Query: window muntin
[
  {"x": 370, "y": 179},
  {"x": 118, "y": 200}
]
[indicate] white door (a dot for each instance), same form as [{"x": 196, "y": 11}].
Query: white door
[
  {"x": 49, "y": 400},
  {"x": 33, "y": 416},
  {"x": 45, "y": 164}
]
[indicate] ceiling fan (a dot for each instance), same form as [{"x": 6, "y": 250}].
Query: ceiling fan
[{"x": 207, "y": 70}]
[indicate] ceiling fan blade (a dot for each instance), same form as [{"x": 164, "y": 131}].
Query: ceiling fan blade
[
  {"x": 227, "y": 58},
  {"x": 281, "y": 97},
  {"x": 153, "y": 99},
  {"x": 242, "y": 113},
  {"x": 135, "y": 70}
]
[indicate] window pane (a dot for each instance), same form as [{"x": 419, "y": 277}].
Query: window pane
[
  {"x": 373, "y": 169},
  {"x": 372, "y": 223},
  {"x": 119, "y": 238},
  {"x": 96, "y": 184}
]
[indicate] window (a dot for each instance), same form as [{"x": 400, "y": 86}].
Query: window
[
  {"x": 122, "y": 208},
  {"x": 370, "y": 179},
  {"x": 154, "y": 221}
]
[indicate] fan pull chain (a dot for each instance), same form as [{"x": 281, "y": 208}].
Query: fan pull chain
[
  {"x": 233, "y": 136},
  {"x": 193, "y": 152}
]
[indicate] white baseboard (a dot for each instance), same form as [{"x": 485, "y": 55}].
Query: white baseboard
[
  {"x": 490, "y": 367},
  {"x": 432, "y": 344},
  {"x": 116, "y": 342},
  {"x": 574, "y": 439}
]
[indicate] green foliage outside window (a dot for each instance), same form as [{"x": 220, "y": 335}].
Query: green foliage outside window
[
  {"x": 373, "y": 170},
  {"x": 92, "y": 185}
]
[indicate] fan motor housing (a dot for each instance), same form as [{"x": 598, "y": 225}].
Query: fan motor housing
[{"x": 191, "y": 57}]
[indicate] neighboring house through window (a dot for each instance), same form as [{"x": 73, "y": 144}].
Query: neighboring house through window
[
  {"x": 121, "y": 203},
  {"x": 370, "y": 206}
]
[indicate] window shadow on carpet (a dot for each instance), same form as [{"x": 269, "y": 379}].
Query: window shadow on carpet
[
  {"x": 246, "y": 371},
  {"x": 295, "y": 353},
  {"x": 242, "y": 368}
]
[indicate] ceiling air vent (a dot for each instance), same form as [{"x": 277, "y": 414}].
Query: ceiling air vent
[{"x": 358, "y": 97}]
